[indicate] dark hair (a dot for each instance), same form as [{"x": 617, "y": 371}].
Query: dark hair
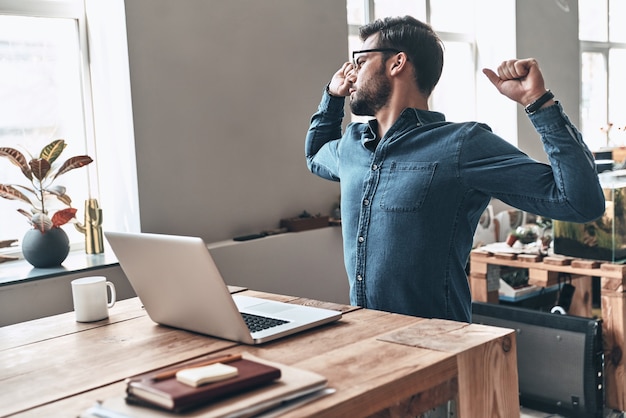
[{"x": 417, "y": 39}]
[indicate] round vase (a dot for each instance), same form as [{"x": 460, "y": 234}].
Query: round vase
[{"x": 47, "y": 249}]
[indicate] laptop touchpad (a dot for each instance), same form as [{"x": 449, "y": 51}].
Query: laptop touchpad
[{"x": 269, "y": 307}]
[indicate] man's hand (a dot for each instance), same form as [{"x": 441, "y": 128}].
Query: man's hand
[
  {"x": 519, "y": 80},
  {"x": 342, "y": 80}
]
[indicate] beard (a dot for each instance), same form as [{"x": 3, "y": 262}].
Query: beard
[{"x": 372, "y": 96}]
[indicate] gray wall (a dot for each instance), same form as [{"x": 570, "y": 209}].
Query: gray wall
[
  {"x": 34, "y": 299},
  {"x": 223, "y": 91},
  {"x": 550, "y": 34},
  {"x": 222, "y": 95}
]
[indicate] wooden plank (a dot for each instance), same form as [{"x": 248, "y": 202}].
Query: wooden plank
[
  {"x": 613, "y": 285},
  {"x": 77, "y": 362},
  {"x": 373, "y": 375},
  {"x": 369, "y": 374},
  {"x": 506, "y": 256},
  {"x": 480, "y": 254},
  {"x": 74, "y": 405},
  {"x": 352, "y": 328},
  {"x": 620, "y": 269},
  {"x": 585, "y": 264},
  {"x": 54, "y": 326},
  {"x": 12, "y": 336},
  {"x": 531, "y": 258},
  {"x": 478, "y": 286},
  {"x": 478, "y": 266},
  {"x": 558, "y": 261},
  {"x": 416, "y": 405},
  {"x": 491, "y": 390},
  {"x": 542, "y": 278},
  {"x": 582, "y": 304},
  {"x": 613, "y": 323},
  {"x": 606, "y": 269},
  {"x": 483, "y": 391}
]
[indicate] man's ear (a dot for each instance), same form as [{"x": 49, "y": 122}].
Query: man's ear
[{"x": 399, "y": 63}]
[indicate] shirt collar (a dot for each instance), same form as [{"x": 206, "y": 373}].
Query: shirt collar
[{"x": 410, "y": 117}]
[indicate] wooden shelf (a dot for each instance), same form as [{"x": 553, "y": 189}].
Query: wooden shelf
[{"x": 545, "y": 271}]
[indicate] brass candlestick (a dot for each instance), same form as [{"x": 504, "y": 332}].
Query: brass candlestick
[{"x": 94, "y": 242}]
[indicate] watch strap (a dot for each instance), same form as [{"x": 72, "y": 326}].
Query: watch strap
[{"x": 536, "y": 105}]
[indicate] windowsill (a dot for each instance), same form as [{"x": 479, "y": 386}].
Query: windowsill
[{"x": 19, "y": 271}]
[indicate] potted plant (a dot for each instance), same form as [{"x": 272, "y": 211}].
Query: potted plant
[{"x": 46, "y": 244}]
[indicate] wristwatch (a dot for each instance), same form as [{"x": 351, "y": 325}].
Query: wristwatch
[{"x": 536, "y": 105}]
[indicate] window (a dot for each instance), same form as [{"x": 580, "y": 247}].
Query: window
[
  {"x": 62, "y": 78},
  {"x": 603, "y": 63},
  {"x": 463, "y": 93}
]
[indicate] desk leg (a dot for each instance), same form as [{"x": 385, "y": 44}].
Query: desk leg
[{"x": 493, "y": 389}]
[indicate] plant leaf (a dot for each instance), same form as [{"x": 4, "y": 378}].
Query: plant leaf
[
  {"x": 59, "y": 192},
  {"x": 41, "y": 222},
  {"x": 72, "y": 163},
  {"x": 9, "y": 192},
  {"x": 18, "y": 159},
  {"x": 26, "y": 213},
  {"x": 63, "y": 216},
  {"x": 65, "y": 199},
  {"x": 52, "y": 151},
  {"x": 40, "y": 168}
]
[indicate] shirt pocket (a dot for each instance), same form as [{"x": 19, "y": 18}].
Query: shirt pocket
[{"x": 405, "y": 185}]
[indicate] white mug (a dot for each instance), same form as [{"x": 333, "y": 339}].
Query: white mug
[{"x": 90, "y": 298}]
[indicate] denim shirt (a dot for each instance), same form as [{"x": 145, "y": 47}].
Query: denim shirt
[{"x": 410, "y": 202}]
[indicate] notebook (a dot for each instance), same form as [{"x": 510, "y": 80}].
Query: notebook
[{"x": 180, "y": 286}]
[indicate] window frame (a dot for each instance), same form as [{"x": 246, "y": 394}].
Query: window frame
[
  {"x": 604, "y": 49},
  {"x": 502, "y": 119},
  {"x": 107, "y": 103}
]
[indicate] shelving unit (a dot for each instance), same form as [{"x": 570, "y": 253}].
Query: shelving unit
[{"x": 544, "y": 271}]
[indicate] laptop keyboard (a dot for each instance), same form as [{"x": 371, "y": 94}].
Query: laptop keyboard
[{"x": 258, "y": 323}]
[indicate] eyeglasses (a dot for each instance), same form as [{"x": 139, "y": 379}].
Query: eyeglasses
[{"x": 363, "y": 51}]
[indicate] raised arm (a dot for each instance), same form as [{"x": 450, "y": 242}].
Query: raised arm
[{"x": 325, "y": 129}]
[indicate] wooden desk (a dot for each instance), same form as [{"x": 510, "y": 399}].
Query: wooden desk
[
  {"x": 544, "y": 272},
  {"x": 57, "y": 367}
]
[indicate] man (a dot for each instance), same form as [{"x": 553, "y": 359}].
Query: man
[{"x": 413, "y": 186}]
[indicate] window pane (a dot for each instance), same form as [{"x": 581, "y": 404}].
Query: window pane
[
  {"x": 356, "y": 12},
  {"x": 617, "y": 98},
  {"x": 592, "y": 21},
  {"x": 40, "y": 100},
  {"x": 455, "y": 95},
  {"x": 594, "y": 100},
  {"x": 415, "y": 8},
  {"x": 452, "y": 15},
  {"x": 354, "y": 44},
  {"x": 617, "y": 15}
]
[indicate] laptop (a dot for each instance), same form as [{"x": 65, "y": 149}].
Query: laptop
[{"x": 180, "y": 286}]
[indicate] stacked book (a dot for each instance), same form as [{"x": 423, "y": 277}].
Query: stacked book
[{"x": 218, "y": 386}]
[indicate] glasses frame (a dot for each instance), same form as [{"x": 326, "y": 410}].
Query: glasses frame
[{"x": 364, "y": 51}]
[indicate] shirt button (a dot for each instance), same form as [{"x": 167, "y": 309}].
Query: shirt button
[
  {"x": 359, "y": 277},
  {"x": 375, "y": 167},
  {"x": 361, "y": 239},
  {"x": 366, "y": 202}
]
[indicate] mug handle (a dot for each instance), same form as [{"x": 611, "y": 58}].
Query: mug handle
[{"x": 113, "y": 296}]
